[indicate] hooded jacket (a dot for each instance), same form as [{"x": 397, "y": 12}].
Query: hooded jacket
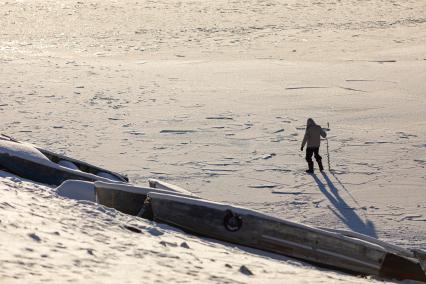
[{"x": 313, "y": 134}]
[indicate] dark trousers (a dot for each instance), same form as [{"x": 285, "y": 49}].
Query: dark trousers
[{"x": 313, "y": 151}]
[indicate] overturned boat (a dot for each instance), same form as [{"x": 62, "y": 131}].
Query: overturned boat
[
  {"x": 41, "y": 165},
  {"x": 253, "y": 229}
]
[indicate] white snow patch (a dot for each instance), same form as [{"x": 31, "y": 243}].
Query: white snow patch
[
  {"x": 24, "y": 151},
  {"x": 78, "y": 190}
]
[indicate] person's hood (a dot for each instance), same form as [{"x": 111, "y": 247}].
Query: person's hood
[{"x": 310, "y": 122}]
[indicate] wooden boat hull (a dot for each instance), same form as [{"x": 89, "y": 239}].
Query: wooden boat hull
[
  {"x": 126, "y": 198},
  {"x": 48, "y": 169},
  {"x": 42, "y": 173},
  {"x": 249, "y": 228},
  {"x": 85, "y": 167}
]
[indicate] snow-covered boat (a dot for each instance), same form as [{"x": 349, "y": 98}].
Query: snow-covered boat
[
  {"x": 44, "y": 166},
  {"x": 253, "y": 229},
  {"x": 130, "y": 199}
]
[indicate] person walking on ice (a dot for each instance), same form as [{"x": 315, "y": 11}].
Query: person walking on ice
[{"x": 312, "y": 138}]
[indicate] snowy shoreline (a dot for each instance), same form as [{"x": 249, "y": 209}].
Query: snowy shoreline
[
  {"x": 349, "y": 246},
  {"x": 47, "y": 238},
  {"x": 213, "y": 96}
]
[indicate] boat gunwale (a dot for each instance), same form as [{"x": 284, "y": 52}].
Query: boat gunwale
[
  {"x": 129, "y": 188},
  {"x": 246, "y": 211}
]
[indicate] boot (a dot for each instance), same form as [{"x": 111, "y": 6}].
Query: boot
[
  {"x": 311, "y": 168},
  {"x": 321, "y": 168}
]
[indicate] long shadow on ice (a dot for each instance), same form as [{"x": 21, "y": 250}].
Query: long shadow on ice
[{"x": 343, "y": 210}]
